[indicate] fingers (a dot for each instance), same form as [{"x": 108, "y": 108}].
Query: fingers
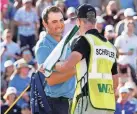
[{"x": 41, "y": 69}]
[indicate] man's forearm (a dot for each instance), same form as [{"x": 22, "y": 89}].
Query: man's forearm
[
  {"x": 122, "y": 53},
  {"x": 115, "y": 81},
  {"x": 57, "y": 77}
]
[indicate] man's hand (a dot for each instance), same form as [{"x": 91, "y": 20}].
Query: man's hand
[
  {"x": 25, "y": 97},
  {"x": 58, "y": 66},
  {"x": 41, "y": 69},
  {"x": 26, "y": 24}
]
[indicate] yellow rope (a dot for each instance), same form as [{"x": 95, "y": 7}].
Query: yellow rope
[{"x": 17, "y": 99}]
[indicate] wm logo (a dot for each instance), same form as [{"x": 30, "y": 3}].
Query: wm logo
[{"x": 105, "y": 88}]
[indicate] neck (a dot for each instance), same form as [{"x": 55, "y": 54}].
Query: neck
[
  {"x": 129, "y": 34},
  {"x": 85, "y": 29},
  {"x": 56, "y": 37},
  {"x": 8, "y": 41},
  {"x": 99, "y": 30},
  {"x": 27, "y": 9},
  {"x": 22, "y": 75}
]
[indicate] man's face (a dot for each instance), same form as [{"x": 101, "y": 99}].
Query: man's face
[
  {"x": 24, "y": 70},
  {"x": 8, "y": 36},
  {"x": 55, "y": 24},
  {"x": 11, "y": 98},
  {"x": 28, "y": 4},
  {"x": 124, "y": 96},
  {"x": 130, "y": 28},
  {"x": 99, "y": 25}
]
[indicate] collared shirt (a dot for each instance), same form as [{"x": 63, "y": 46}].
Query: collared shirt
[
  {"x": 12, "y": 49},
  {"x": 43, "y": 49},
  {"x": 125, "y": 44},
  {"x": 20, "y": 84},
  {"x": 24, "y": 16},
  {"x": 128, "y": 108}
]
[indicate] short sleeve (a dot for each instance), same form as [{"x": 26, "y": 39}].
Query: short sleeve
[
  {"x": 117, "y": 42},
  {"x": 17, "y": 15},
  {"x": 82, "y": 46},
  {"x": 114, "y": 69},
  {"x": 36, "y": 18},
  {"x": 42, "y": 53}
]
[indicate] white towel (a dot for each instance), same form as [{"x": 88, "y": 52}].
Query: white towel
[{"x": 59, "y": 52}]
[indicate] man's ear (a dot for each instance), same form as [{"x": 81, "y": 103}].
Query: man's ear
[
  {"x": 44, "y": 24},
  {"x": 78, "y": 22}
]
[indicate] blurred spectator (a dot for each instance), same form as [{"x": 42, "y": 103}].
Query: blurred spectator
[
  {"x": 111, "y": 11},
  {"x": 25, "y": 109},
  {"x": 123, "y": 106},
  {"x": 132, "y": 91},
  {"x": 40, "y": 6},
  {"x": 96, "y": 3},
  {"x": 72, "y": 3},
  {"x": 9, "y": 49},
  {"x": 100, "y": 24},
  {"x": 62, "y": 6},
  {"x": 9, "y": 69},
  {"x": 71, "y": 21},
  {"x": 128, "y": 13},
  {"x": 26, "y": 19},
  {"x": 119, "y": 16},
  {"x": 27, "y": 56},
  {"x": 1, "y": 26},
  {"x": 126, "y": 44},
  {"x": 124, "y": 71},
  {"x": 20, "y": 80},
  {"x": 10, "y": 97},
  {"x": 110, "y": 34},
  {"x": 12, "y": 10},
  {"x": 4, "y": 13},
  {"x": 128, "y": 4},
  {"x": 98, "y": 11}
]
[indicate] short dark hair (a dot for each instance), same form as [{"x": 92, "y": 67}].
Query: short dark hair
[{"x": 47, "y": 10}]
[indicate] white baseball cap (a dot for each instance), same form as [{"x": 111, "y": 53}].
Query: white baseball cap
[
  {"x": 10, "y": 90},
  {"x": 99, "y": 19},
  {"x": 129, "y": 12},
  {"x": 25, "y": 1},
  {"x": 129, "y": 85},
  {"x": 123, "y": 60},
  {"x": 71, "y": 10},
  {"x": 8, "y": 63},
  {"x": 123, "y": 90},
  {"x": 109, "y": 28}
]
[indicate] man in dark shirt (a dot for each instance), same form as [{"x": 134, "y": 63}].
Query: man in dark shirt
[{"x": 81, "y": 49}]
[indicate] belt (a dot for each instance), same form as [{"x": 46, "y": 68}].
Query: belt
[{"x": 58, "y": 98}]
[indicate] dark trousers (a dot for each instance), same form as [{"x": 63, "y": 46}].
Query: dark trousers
[
  {"x": 28, "y": 40},
  {"x": 59, "y": 105}
]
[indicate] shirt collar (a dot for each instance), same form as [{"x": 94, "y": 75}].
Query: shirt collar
[
  {"x": 92, "y": 31},
  {"x": 96, "y": 33},
  {"x": 51, "y": 39}
]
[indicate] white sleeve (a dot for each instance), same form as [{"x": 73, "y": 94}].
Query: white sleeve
[{"x": 117, "y": 42}]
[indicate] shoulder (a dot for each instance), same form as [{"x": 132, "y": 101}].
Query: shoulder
[
  {"x": 2, "y": 44},
  {"x": 15, "y": 45},
  {"x": 81, "y": 41},
  {"x": 20, "y": 10},
  {"x": 14, "y": 77},
  {"x": 4, "y": 107},
  {"x": 41, "y": 44},
  {"x": 120, "y": 23},
  {"x": 119, "y": 38}
]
